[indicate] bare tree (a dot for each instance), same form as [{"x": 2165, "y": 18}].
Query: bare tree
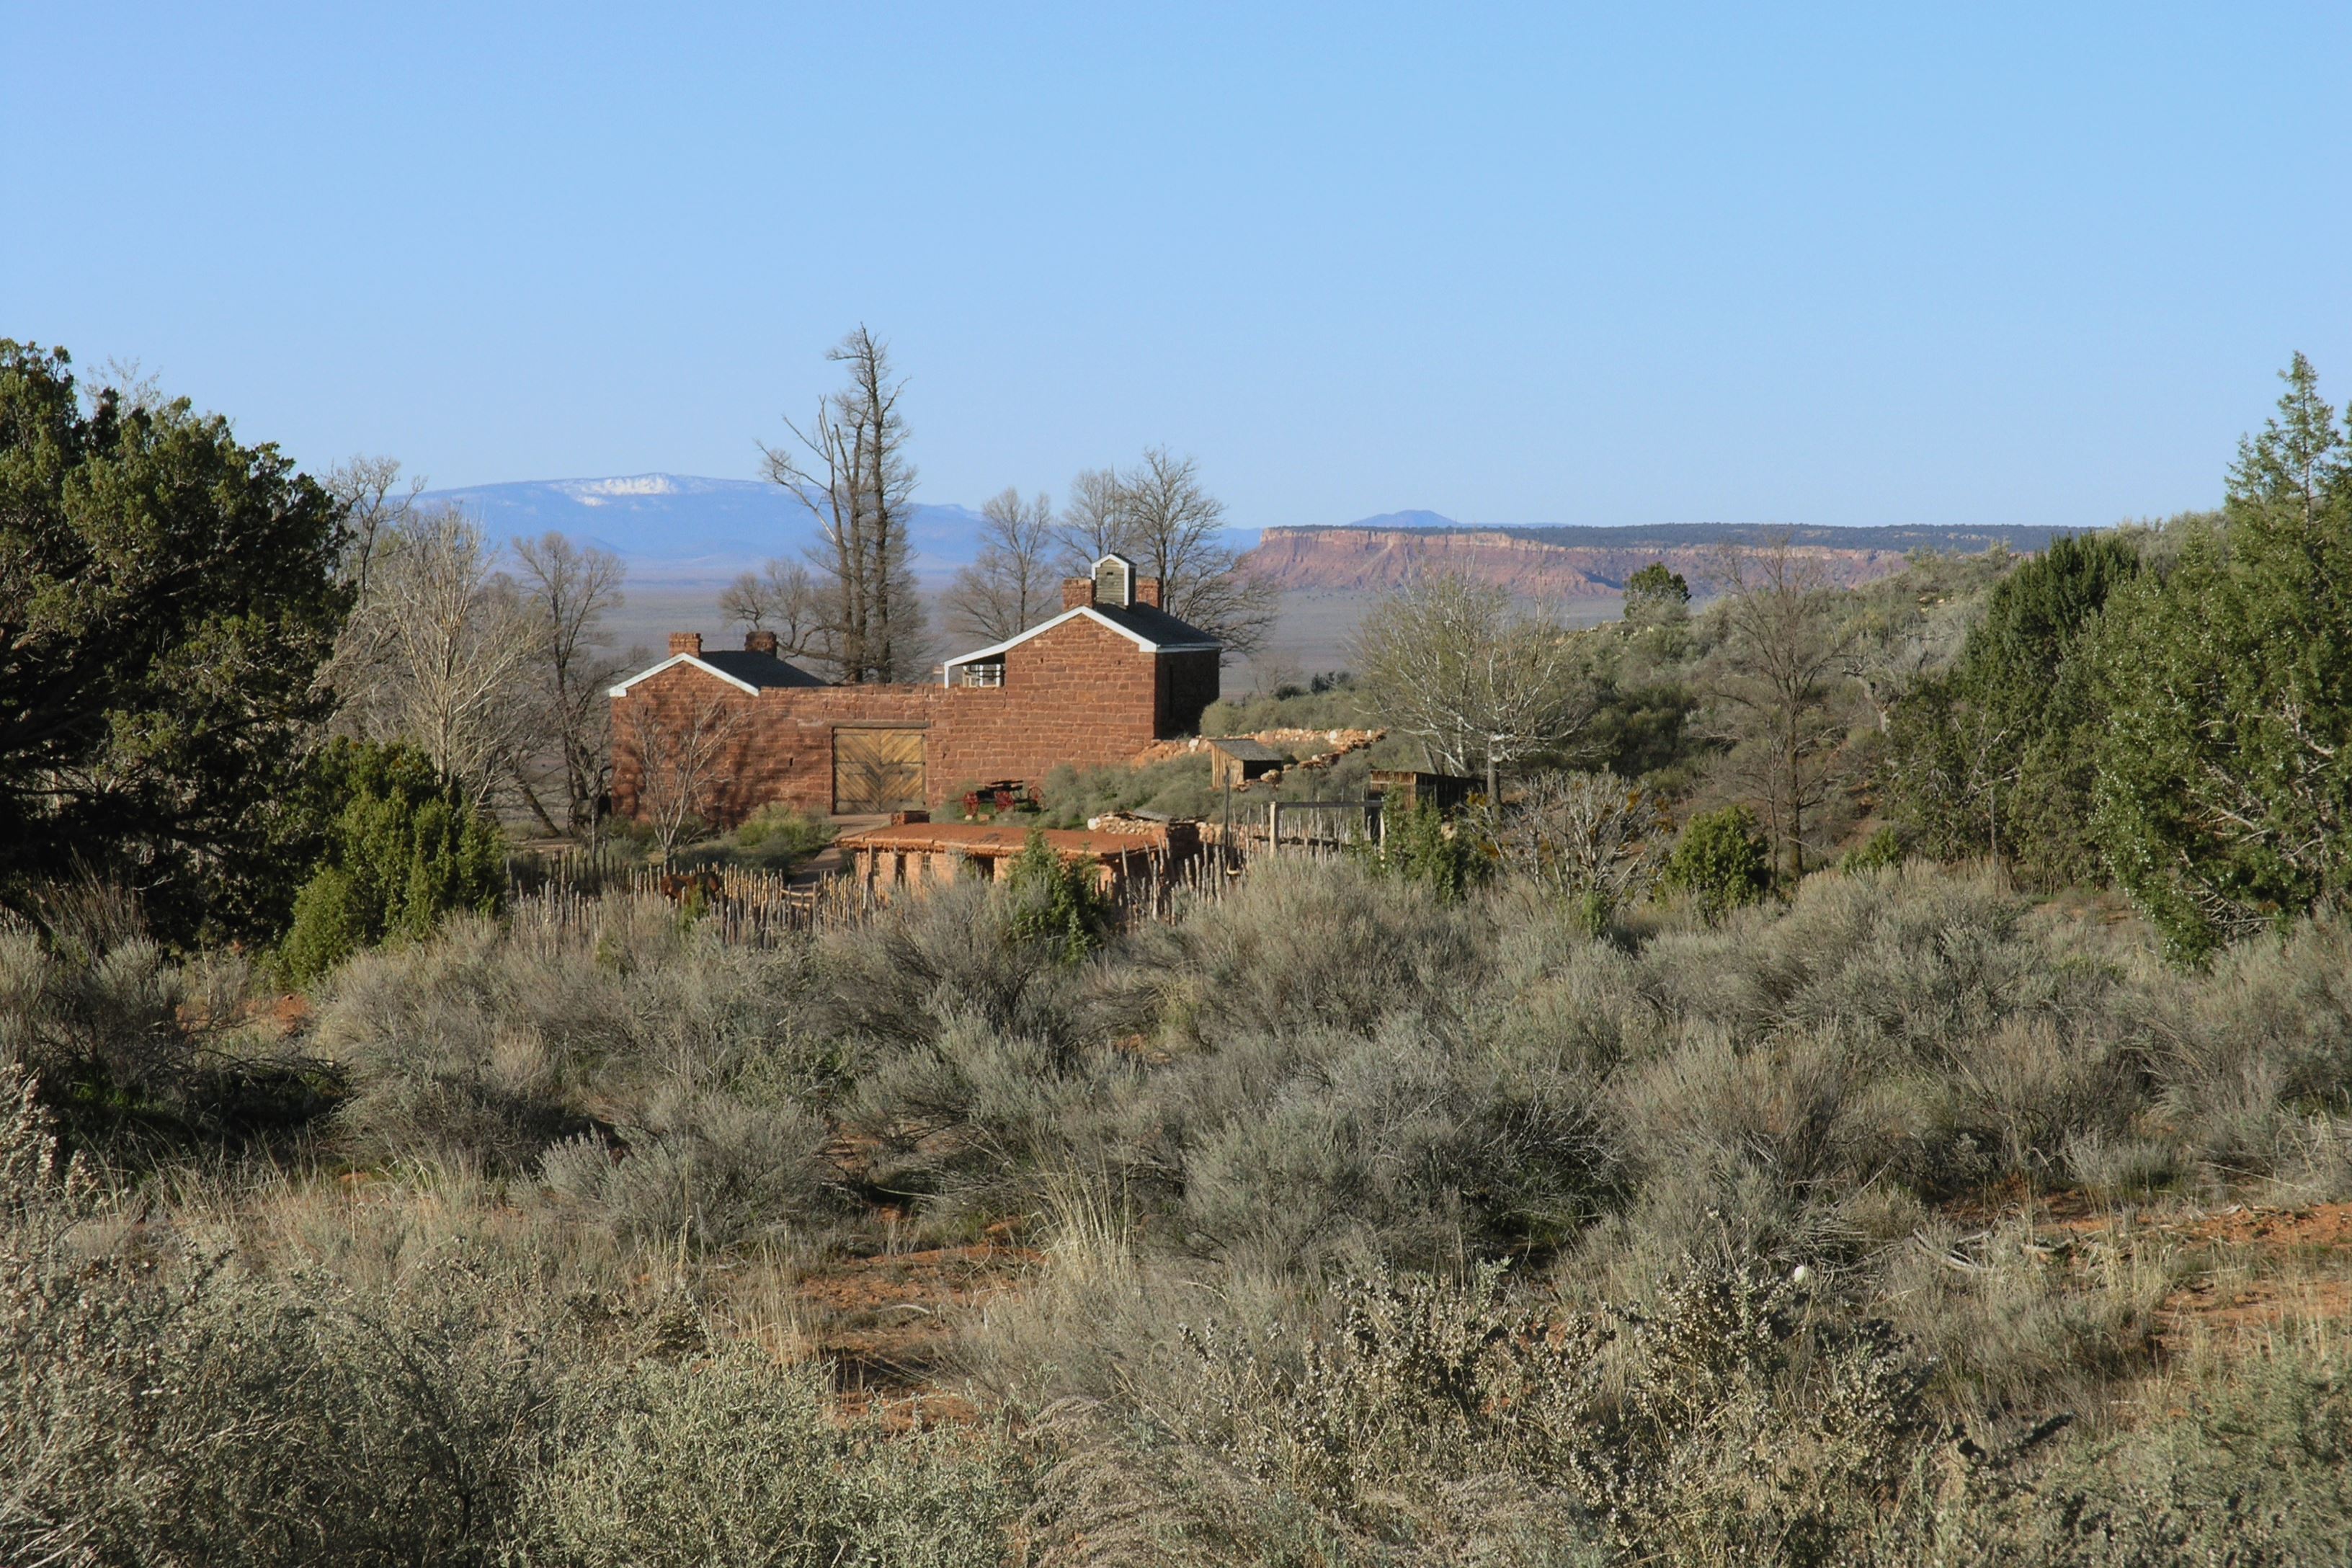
[
  {"x": 783, "y": 598},
  {"x": 374, "y": 503},
  {"x": 1175, "y": 527},
  {"x": 1774, "y": 679},
  {"x": 851, "y": 471},
  {"x": 568, "y": 592},
  {"x": 1012, "y": 585},
  {"x": 1481, "y": 684},
  {"x": 1093, "y": 521},
  {"x": 439, "y": 652},
  {"x": 1589, "y": 836},
  {"x": 679, "y": 761},
  {"x": 1158, "y": 515}
]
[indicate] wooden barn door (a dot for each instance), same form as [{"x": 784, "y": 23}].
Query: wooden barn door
[{"x": 876, "y": 771}]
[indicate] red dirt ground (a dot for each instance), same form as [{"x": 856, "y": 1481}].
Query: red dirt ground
[{"x": 886, "y": 1322}]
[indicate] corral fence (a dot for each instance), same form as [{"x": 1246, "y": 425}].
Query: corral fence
[
  {"x": 565, "y": 890},
  {"x": 737, "y": 903}
]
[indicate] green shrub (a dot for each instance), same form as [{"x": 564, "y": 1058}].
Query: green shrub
[
  {"x": 1720, "y": 862},
  {"x": 406, "y": 848},
  {"x": 1438, "y": 852},
  {"x": 1881, "y": 851},
  {"x": 1057, "y": 903}
]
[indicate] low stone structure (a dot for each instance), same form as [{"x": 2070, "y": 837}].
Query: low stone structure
[{"x": 909, "y": 857}]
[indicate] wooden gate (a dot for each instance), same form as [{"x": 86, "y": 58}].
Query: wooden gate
[{"x": 876, "y": 771}]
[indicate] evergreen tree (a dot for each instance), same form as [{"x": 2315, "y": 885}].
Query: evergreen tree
[
  {"x": 1055, "y": 901},
  {"x": 1996, "y": 755},
  {"x": 1721, "y": 862},
  {"x": 406, "y": 849},
  {"x": 2224, "y": 792},
  {"x": 167, "y": 596}
]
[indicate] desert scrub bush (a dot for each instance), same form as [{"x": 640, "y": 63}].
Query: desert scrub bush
[
  {"x": 1720, "y": 862},
  {"x": 2253, "y": 1465},
  {"x": 487, "y": 1044},
  {"x": 732, "y": 1459},
  {"x": 1305, "y": 943},
  {"x": 709, "y": 1174},
  {"x": 163, "y": 1406},
  {"x": 1414, "y": 1146},
  {"x": 1432, "y": 1421},
  {"x": 1425, "y": 1413},
  {"x": 1178, "y": 787},
  {"x": 2250, "y": 1052},
  {"x": 974, "y": 1119},
  {"x": 141, "y": 1054},
  {"x": 778, "y": 837},
  {"x": 923, "y": 963},
  {"x": 1592, "y": 840}
]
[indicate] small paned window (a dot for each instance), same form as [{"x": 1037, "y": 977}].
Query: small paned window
[{"x": 990, "y": 673}]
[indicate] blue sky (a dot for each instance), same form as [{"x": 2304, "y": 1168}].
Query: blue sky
[{"x": 1857, "y": 265}]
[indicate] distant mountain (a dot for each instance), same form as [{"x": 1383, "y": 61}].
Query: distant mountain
[
  {"x": 1899, "y": 536},
  {"x": 685, "y": 529},
  {"x": 1561, "y": 562},
  {"x": 693, "y": 532}
]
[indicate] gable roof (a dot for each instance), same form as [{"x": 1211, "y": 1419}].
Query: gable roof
[
  {"x": 740, "y": 667},
  {"x": 1153, "y": 631}
]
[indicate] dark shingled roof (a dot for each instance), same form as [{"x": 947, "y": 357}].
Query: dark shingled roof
[
  {"x": 1156, "y": 626},
  {"x": 1245, "y": 748},
  {"x": 760, "y": 669}
]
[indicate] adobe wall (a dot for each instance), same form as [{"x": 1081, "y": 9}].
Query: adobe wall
[{"x": 1081, "y": 694}]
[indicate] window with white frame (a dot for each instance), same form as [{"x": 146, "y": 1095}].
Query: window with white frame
[{"x": 986, "y": 672}]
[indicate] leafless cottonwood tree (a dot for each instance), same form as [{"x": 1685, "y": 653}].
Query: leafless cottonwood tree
[
  {"x": 1158, "y": 515},
  {"x": 438, "y": 652},
  {"x": 1012, "y": 584},
  {"x": 568, "y": 592},
  {"x": 1173, "y": 527},
  {"x": 851, "y": 471},
  {"x": 1093, "y": 520},
  {"x": 374, "y": 503},
  {"x": 1775, "y": 679},
  {"x": 783, "y": 598},
  {"x": 681, "y": 762},
  {"x": 1482, "y": 684}
]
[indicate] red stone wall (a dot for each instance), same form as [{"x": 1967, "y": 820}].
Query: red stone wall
[{"x": 1081, "y": 693}]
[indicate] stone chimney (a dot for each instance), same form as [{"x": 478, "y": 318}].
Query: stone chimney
[
  {"x": 685, "y": 642},
  {"x": 1147, "y": 592},
  {"x": 756, "y": 641},
  {"x": 1077, "y": 593}
]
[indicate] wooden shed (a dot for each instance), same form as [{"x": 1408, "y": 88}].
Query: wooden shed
[
  {"x": 1401, "y": 790},
  {"x": 1236, "y": 761}
]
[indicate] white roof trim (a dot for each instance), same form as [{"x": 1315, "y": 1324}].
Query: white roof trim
[
  {"x": 673, "y": 661},
  {"x": 1138, "y": 638}
]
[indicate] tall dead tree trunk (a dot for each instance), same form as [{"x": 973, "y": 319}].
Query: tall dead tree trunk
[{"x": 852, "y": 473}]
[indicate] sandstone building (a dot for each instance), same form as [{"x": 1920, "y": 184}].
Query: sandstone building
[{"x": 739, "y": 730}]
